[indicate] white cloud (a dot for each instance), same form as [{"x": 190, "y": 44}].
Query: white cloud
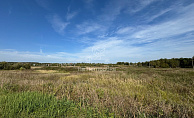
[
  {"x": 113, "y": 9},
  {"x": 87, "y": 40},
  {"x": 10, "y": 11},
  {"x": 16, "y": 56},
  {"x": 112, "y": 50},
  {"x": 158, "y": 14},
  {"x": 142, "y": 45},
  {"x": 89, "y": 3},
  {"x": 140, "y": 5},
  {"x": 104, "y": 20},
  {"x": 177, "y": 26},
  {"x": 41, "y": 51},
  {"x": 146, "y": 43},
  {"x": 71, "y": 15},
  {"x": 88, "y": 27},
  {"x": 168, "y": 48},
  {"x": 125, "y": 30},
  {"x": 58, "y": 24},
  {"x": 135, "y": 6},
  {"x": 43, "y": 3},
  {"x": 109, "y": 13}
]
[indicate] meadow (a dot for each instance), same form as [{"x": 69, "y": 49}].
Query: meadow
[{"x": 126, "y": 92}]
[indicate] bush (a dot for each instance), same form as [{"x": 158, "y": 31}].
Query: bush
[{"x": 22, "y": 68}]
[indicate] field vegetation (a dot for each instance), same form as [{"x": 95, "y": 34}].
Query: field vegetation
[{"x": 127, "y": 92}]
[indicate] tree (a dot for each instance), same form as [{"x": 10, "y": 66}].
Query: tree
[
  {"x": 157, "y": 63},
  {"x": 16, "y": 66},
  {"x": 126, "y": 63},
  {"x": 139, "y": 64},
  {"x": 4, "y": 65},
  {"x": 118, "y": 63},
  {"x": 153, "y": 63},
  {"x": 173, "y": 63},
  {"x": 1, "y": 66}
]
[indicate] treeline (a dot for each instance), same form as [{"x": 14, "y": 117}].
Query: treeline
[
  {"x": 123, "y": 63},
  {"x": 69, "y": 64},
  {"x": 14, "y": 66},
  {"x": 161, "y": 63},
  {"x": 164, "y": 63},
  {"x": 91, "y": 64}
]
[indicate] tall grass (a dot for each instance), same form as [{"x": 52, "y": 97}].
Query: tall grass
[
  {"x": 130, "y": 92},
  {"x": 36, "y": 104}
]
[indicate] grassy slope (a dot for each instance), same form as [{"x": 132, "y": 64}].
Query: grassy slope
[{"x": 126, "y": 93}]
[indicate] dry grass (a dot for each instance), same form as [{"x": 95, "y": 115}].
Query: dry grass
[{"x": 132, "y": 92}]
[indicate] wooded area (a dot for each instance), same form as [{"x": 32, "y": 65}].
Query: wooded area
[{"x": 163, "y": 63}]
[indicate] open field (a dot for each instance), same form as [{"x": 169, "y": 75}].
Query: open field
[{"x": 127, "y": 92}]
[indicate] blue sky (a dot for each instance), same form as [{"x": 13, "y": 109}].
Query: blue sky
[{"x": 95, "y": 31}]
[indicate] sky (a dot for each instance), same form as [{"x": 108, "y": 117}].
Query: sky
[{"x": 95, "y": 31}]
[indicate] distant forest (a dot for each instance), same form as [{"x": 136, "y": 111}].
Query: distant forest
[
  {"x": 164, "y": 63},
  {"x": 161, "y": 63},
  {"x": 14, "y": 65}
]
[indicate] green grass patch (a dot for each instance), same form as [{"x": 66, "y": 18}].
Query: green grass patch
[{"x": 36, "y": 104}]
